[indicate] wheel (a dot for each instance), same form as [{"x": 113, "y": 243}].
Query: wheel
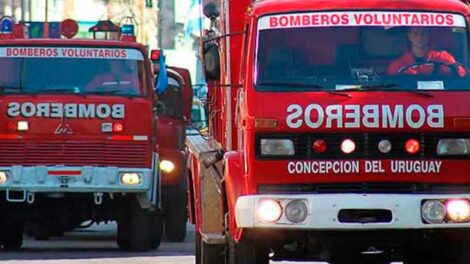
[
  {"x": 208, "y": 254},
  {"x": 12, "y": 235},
  {"x": 176, "y": 217},
  {"x": 246, "y": 252},
  {"x": 156, "y": 228},
  {"x": 134, "y": 227}
]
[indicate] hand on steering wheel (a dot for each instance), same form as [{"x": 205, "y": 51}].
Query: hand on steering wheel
[{"x": 453, "y": 67}]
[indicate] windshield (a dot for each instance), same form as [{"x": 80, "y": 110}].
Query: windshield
[
  {"x": 37, "y": 70},
  {"x": 362, "y": 51}
]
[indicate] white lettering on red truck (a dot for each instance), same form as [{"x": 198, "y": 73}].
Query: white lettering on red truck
[
  {"x": 366, "y": 166},
  {"x": 329, "y": 19},
  {"x": 70, "y": 110},
  {"x": 365, "y": 116}
]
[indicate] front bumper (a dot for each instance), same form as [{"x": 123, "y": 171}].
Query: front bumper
[
  {"x": 49, "y": 179},
  {"x": 323, "y": 211}
]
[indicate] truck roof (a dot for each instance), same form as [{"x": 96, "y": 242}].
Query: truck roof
[
  {"x": 73, "y": 42},
  {"x": 262, "y": 7}
]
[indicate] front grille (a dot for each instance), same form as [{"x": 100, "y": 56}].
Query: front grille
[
  {"x": 364, "y": 187},
  {"x": 75, "y": 153},
  {"x": 366, "y": 145}
]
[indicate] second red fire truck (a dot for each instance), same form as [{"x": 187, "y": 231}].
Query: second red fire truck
[
  {"x": 78, "y": 135},
  {"x": 338, "y": 132}
]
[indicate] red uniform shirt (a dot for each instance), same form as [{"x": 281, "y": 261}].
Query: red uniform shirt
[{"x": 432, "y": 55}]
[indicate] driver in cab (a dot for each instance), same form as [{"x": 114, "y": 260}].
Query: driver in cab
[
  {"x": 422, "y": 59},
  {"x": 119, "y": 76}
]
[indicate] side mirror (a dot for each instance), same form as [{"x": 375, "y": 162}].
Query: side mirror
[
  {"x": 211, "y": 10},
  {"x": 212, "y": 61}
]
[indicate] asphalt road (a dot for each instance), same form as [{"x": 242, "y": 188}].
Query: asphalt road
[{"x": 97, "y": 245}]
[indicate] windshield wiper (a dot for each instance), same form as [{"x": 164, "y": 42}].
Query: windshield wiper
[
  {"x": 112, "y": 92},
  {"x": 395, "y": 87},
  {"x": 65, "y": 90},
  {"x": 317, "y": 87},
  {"x": 16, "y": 88}
]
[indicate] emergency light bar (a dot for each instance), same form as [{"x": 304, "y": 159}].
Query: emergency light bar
[
  {"x": 128, "y": 29},
  {"x": 105, "y": 30}
]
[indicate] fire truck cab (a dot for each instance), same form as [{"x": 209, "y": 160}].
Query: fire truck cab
[
  {"x": 78, "y": 135},
  {"x": 174, "y": 114},
  {"x": 338, "y": 132}
]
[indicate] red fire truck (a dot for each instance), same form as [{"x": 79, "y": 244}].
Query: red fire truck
[
  {"x": 339, "y": 132},
  {"x": 78, "y": 135},
  {"x": 174, "y": 114}
]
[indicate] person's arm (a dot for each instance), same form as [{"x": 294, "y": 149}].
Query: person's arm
[{"x": 446, "y": 57}]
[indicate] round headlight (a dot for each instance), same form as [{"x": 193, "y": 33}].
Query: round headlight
[
  {"x": 167, "y": 166},
  {"x": 131, "y": 178},
  {"x": 433, "y": 211},
  {"x": 458, "y": 210},
  {"x": 296, "y": 211},
  {"x": 269, "y": 210},
  {"x": 3, "y": 177}
]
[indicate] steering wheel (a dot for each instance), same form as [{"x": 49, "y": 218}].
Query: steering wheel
[{"x": 436, "y": 65}]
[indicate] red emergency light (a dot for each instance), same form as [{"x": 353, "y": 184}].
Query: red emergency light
[
  {"x": 155, "y": 55},
  {"x": 69, "y": 28}
]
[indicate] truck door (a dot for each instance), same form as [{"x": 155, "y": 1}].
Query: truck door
[{"x": 174, "y": 112}]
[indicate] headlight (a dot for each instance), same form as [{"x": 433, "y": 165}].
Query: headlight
[
  {"x": 454, "y": 146},
  {"x": 131, "y": 178},
  {"x": 167, "y": 166},
  {"x": 433, "y": 211},
  {"x": 3, "y": 177},
  {"x": 458, "y": 210},
  {"x": 269, "y": 210},
  {"x": 277, "y": 147},
  {"x": 296, "y": 211}
]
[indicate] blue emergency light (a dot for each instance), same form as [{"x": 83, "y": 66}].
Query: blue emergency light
[
  {"x": 6, "y": 25},
  {"x": 128, "y": 30}
]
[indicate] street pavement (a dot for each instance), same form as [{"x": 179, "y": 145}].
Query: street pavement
[{"x": 96, "y": 245}]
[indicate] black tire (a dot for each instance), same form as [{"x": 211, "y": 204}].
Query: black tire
[
  {"x": 12, "y": 235},
  {"x": 208, "y": 254},
  {"x": 156, "y": 229},
  {"x": 246, "y": 252},
  {"x": 176, "y": 217},
  {"x": 134, "y": 226}
]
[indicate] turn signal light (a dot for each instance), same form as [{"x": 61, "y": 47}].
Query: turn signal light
[
  {"x": 348, "y": 146},
  {"x": 18, "y": 125},
  {"x": 319, "y": 146},
  {"x": 412, "y": 146},
  {"x": 118, "y": 127},
  {"x": 384, "y": 146}
]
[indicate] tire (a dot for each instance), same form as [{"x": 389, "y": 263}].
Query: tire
[
  {"x": 156, "y": 229},
  {"x": 12, "y": 235},
  {"x": 176, "y": 217},
  {"x": 134, "y": 227},
  {"x": 208, "y": 254},
  {"x": 246, "y": 252}
]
